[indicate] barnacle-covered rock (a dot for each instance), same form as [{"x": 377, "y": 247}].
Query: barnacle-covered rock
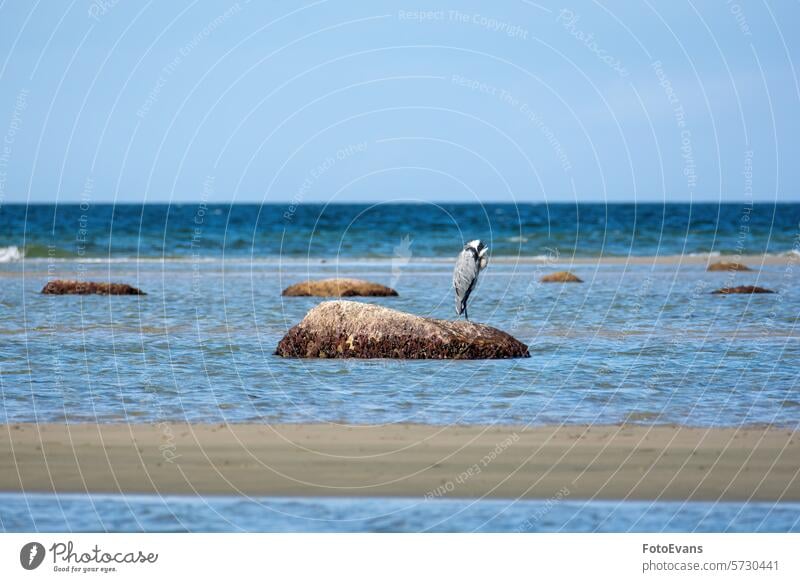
[
  {"x": 561, "y": 277},
  {"x": 728, "y": 266},
  {"x": 339, "y": 288},
  {"x": 350, "y": 329},
  {"x": 741, "y": 289},
  {"x": 70, "y": 287}
]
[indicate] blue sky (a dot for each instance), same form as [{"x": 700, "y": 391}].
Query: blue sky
[{"x": 449, "y": 101}]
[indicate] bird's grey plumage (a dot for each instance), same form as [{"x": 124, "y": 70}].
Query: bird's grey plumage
[{"x": 471, "y": 260}]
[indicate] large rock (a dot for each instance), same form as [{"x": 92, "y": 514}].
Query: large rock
[
  {"x": 728, "y": 266},
  {"x": 350, "y": 329},
  {"x": 741, "y": 289},
  {"x": 68, "y": 287},
  {"x": 561, "y": 277},
  {"x": 339, "y": 288}
]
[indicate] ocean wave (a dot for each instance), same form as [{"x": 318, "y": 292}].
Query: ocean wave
[
  {"x": 547, "y": 258},
  {"x": 128, "y": 259},
  {"x": 14, "y": 254},
  {"x": 705, "y": 254},
  {"x": 10, "y": 254}
]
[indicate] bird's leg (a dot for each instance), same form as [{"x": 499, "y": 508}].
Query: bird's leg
[{"x": 465, "y": 313}]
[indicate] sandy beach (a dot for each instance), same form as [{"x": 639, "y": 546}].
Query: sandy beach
[{"x": 582, "y": 462}]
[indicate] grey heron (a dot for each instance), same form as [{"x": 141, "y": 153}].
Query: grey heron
[{"x": 471, "y": 261}]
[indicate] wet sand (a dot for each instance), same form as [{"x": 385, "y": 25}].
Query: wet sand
[{"x": 582, "y": 462}]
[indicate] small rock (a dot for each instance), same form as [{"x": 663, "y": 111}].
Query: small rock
[
  {"x": 67, "y": 287},
  {"x": 561, "y": 277},
  {"x": 741, "y": 289},
  {"x": 728, "y": 266},
  {"x": 350, "y": 329},
  {"x": 339, "y": 288}
]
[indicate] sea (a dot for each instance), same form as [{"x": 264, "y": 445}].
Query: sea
[
  {"x": 642, "y": 340},
  {"x": 357, "y": 232}
]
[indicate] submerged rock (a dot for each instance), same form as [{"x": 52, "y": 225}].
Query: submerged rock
[
  {"x": 741, "y": 289},
  {"x": 349, "y": 329},
  {"x": 339, "y": 288},
  {"x": 67, "y": 287},
  {"x": 728, "y": 266},
  {"x": 561, "y": 277}
]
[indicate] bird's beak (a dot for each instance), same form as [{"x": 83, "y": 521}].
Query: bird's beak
[{"x": 484, "y": 250}]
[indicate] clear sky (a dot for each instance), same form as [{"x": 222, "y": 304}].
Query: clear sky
[{"x": 359, "y": 101}]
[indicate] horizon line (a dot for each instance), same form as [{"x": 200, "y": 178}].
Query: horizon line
[{"x": 379, "y": 202}]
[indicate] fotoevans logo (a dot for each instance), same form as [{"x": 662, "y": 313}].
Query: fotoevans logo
[{"x": 31, "y": 555}]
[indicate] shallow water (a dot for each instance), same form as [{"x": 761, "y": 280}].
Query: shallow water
[
  {"x": 640, "y": 343},
  {"x": 82, "y": 513}
]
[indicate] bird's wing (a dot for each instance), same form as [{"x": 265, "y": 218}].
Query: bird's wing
[{"x": 465, "y": 274}]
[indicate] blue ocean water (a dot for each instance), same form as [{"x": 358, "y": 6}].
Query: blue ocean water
[
  {"x": 638, "y": 341},
  {"x": 375, "y": 231},
  {"x": 132, "y": 513}
]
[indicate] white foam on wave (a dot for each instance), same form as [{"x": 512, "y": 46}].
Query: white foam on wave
[
  {"x": 711, "y": 254},
  {"x": 545, "y": 258},
  {"x": 154, "y": 260},
  {"x": 10, "y": 254}
]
